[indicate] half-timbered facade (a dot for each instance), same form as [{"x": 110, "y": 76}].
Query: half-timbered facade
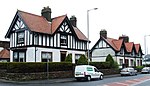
[
  {"x": 35, "y": 38},
  {"x": 125, "y": 53}
]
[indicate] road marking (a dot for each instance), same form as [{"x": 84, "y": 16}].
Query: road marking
[
  {"x": 140, "y": 82},
  {"x": 129, "y": 82}
]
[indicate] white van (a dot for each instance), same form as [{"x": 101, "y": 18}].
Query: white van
[{"x": 87, "y": 72}]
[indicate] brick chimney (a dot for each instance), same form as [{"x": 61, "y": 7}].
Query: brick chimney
[
  {"x": 73, "y": 21},
  {"x": 125, "y": 38},
  {"x": 46, "y": 12},
  {"x": 103, "y": 33}
]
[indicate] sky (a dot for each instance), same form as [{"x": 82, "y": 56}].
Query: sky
[{"x": 118, "y": 17}]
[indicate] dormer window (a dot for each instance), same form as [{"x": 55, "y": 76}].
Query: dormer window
[
  {"x": 63, "y": 40},
  {"x": 20, "y": 37}
]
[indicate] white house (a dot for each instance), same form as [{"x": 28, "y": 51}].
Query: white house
[
  {"x": 35, "y": 38},
  {"x": 123, "y": 52}
]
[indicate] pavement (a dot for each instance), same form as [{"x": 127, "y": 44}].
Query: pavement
[{"x": 50, "y": 81}]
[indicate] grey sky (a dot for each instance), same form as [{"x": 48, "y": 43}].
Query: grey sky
[{"x": 128, "y": 17}]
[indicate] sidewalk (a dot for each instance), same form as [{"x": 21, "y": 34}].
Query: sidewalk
[{"x": 50, "y": 81}]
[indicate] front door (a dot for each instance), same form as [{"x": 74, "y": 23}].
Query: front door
[{"x": 63, "y": 55}]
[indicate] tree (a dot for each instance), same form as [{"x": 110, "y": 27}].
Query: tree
[
  {"x": 82, "y": 60},
  {"x": 113, "y": 64},
  {"x": 110, "y": 59},
  {"x": 68, "y": 58}
]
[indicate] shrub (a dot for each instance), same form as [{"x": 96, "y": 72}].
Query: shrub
[
  {"x": 26, "y": 67},
  {"x": 101, "y": 65},
  {"x": 82, "y": 60},
  {"x": 68, "y": 58},
  {"x": 139, "y": 68},
  {"x": 3, "y": 65},
  {"x": 113, "y": 64},
  {"x": 110, "y": 59},
  {"x": 31, "y": 67},
  {"x": 60, "y": 66}
]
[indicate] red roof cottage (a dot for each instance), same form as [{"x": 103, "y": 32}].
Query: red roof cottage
[
  {"x": 35, "y": 38},
  {"x": 124, "y": 52}
]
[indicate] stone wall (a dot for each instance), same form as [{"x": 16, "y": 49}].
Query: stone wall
[
  {"x": 110, "y": 71},
  {"x": 43, "y": 75},
  {"x": 35, "y": 76}
]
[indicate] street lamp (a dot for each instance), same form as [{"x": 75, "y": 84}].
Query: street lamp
[
  {"x": 145, "y": 43},
  {"x": 88, "y": 29},
  {"x": 145, "y": 46}
]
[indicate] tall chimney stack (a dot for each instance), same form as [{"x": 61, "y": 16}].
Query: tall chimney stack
[
  {"x": 73, "y": 21},
  {"x": 103, "y": 33},
  {"x": 46, "y": 12},
  {"x": 125, "y": 38}
]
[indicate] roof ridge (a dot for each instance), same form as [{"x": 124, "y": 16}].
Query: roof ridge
[
  {"x": 59, "y": 16},
  {"x": 29, "y": 13}
]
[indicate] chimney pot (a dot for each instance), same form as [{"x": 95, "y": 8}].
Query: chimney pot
[
  {"x": 73, "y": 21},
  {"x": 46, "y": 13},
  {"x": 125, "y": 38},
  {"x": 103, "y": 33}
]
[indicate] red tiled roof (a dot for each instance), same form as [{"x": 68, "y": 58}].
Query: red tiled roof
[
  {"x": 57, "y": 21},
  {"x": 38, "y": 23},
  {"x": 80, "y": 35},
  {"x": 137, "y": 47},
  {"x": 129, "y": 46},
  {"x": 5, "y": 54},
  {"x": 116, "y": 44}
]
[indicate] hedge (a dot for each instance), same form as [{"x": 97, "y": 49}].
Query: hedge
[
  {"x": 101, "y": 65},
  {"x": 30, "y": 67}
]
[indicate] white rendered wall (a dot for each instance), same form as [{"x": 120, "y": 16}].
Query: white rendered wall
[
  {"x": 99, "y": 55},
  {"x": 103, "y": 52},
  {"x": 30, "y": 54},
  {"x": 11, "y": 56}
]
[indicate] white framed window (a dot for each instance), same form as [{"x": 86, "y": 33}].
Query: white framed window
[
  {"x": 19, "y": 56},
  {"x": 63, "y": 40},
  {"x": 121, "y": 61},
  {"x": 46, "y": 56},
  {"x": 20, "y": 37}
]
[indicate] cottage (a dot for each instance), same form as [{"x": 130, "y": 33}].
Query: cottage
[
  {"x": 35, "y": 38},
  {"x": 123, "y": 52}
]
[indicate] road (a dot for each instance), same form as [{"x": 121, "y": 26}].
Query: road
[{"x": 139, "y": 80}]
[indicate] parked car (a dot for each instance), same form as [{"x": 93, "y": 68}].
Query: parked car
[
  {"x": 128, "y": 71},
  {"x": 87, "y": 72},
  {"x": 146, "y": 70}
]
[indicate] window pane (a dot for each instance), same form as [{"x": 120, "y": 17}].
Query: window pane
[
  {"x": 20, "y": 37},
  {"x": 21, "y": 54},
  {"x": 63, "y": 40},
  {"x": 15, "y": 55},
  {"x": 45, "y": 56}
]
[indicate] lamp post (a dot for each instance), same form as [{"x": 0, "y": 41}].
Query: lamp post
[
  {"x": 145, "y": 43},
  {"x": 145, "y": 46},
  {"x": 88, "y": 29}
]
